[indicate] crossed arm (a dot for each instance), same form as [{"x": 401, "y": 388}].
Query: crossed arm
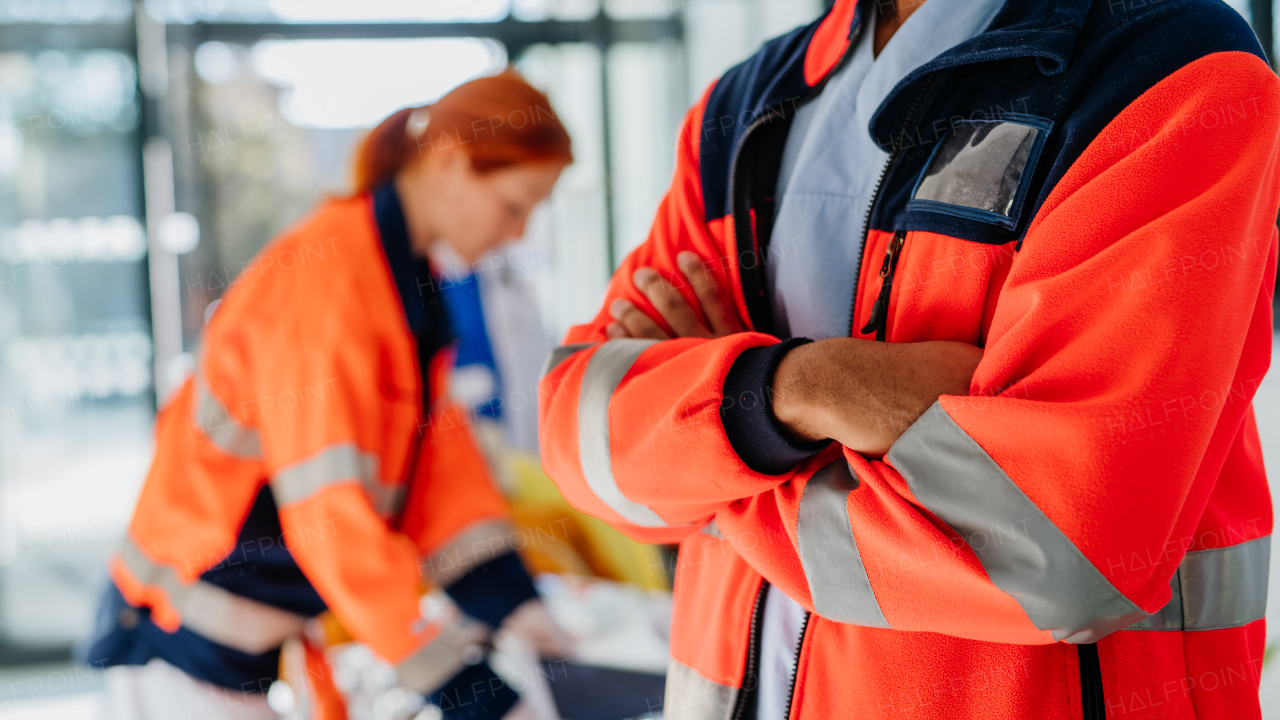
[
  {"x": 640, "y": 433},
  {"x": 861, "y": 393}
]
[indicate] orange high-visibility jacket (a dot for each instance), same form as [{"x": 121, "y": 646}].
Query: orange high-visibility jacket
[
  {"x": 309, "y": 464},
  {"x": 1087, "y": 531}
]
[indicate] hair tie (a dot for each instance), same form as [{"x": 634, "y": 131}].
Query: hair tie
[{"x": 418, "y": 121}]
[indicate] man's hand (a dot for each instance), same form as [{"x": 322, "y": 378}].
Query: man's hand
[
  {"x": 860, "y": 393},
  {"x": 864, "y": 394},
  {"x": 717, "y": 306}
]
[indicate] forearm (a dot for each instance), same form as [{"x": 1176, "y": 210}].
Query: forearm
[{"x": 864, "y": 394}]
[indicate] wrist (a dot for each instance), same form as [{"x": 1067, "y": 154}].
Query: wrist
[
  {"x": 747, "y": 412},
  {"x": 793, "y": 391}
]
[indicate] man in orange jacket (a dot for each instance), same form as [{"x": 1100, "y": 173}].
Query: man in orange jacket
[{"x": 970, "y": 301}]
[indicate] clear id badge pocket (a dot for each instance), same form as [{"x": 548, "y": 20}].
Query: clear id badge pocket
[{"x": 981, "y": 169}]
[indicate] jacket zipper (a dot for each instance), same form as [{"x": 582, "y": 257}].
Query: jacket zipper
[
  {"x": 916, "y": 106},
  {"x": 879, "y": 320},
  {"x": 769, "y": 115},
  {"x": 746, "y": 697},
  {"x": 795, "y": 666},
  {"x": 1092, "y": 704}
]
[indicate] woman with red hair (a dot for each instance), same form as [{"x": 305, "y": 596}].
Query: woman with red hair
[{"x": 314, "y": 462}]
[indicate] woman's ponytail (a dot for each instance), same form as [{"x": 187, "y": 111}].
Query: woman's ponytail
[{"x": 383, "y": 151}]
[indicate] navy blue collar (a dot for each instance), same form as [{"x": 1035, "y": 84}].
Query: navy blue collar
[
  {"x": 419, "y": 292},
  {"x": 1042, "y": 29},
  {"x": 1045, "y": 30},
  {"x": 412, "y": 275}
]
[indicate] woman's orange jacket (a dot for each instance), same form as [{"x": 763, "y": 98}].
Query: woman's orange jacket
[{"x": 308, "y": 382}]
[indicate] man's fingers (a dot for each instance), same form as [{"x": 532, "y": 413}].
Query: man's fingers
[
  {"x": 632, "y": 323},
  {"x": 715, "y": 304},
  {"x": 672, "y": 306},
  {"x": 669, "y": 303}
]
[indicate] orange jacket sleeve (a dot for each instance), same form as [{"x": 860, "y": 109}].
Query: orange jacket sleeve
[
  {"x": 333, "y": 478},
  {"x": 627, "y": 425}
]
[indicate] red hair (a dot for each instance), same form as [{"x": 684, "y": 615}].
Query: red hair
[{"x": 502, "y": 120}]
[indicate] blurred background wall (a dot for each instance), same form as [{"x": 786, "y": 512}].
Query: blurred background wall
[{"x": 147, "y": 152}]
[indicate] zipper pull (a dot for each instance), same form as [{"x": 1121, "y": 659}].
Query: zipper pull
[{"x": 879, "y": 320}]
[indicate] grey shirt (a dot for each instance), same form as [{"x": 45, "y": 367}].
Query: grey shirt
[{"x": 830, "y": 167}]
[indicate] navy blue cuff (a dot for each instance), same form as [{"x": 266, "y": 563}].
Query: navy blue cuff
[
  {"x": 747, "y": 412},
  {"x": 490, "y": 591},
  {"x": 476, "y": 692}
]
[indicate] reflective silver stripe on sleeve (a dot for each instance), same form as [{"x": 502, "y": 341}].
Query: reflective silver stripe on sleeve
[
  {"x": 561, "y": 354},
  {"x": 1023, "y": 552},
  {"x": 605, "y": 370},
  {"x": 227, "y": 434},
  {"x": 334, "y": 465},
  {"x": 838, "y": 581},
  {"x": 690, "y": 696},
  {"x": 1219, "y": 588},
  {"x": 1225, "y": 587},
  {"x": 211, "y": 612},
  {"x": 1168, "y": 617},
  {"x": 477, "y": 543}
]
